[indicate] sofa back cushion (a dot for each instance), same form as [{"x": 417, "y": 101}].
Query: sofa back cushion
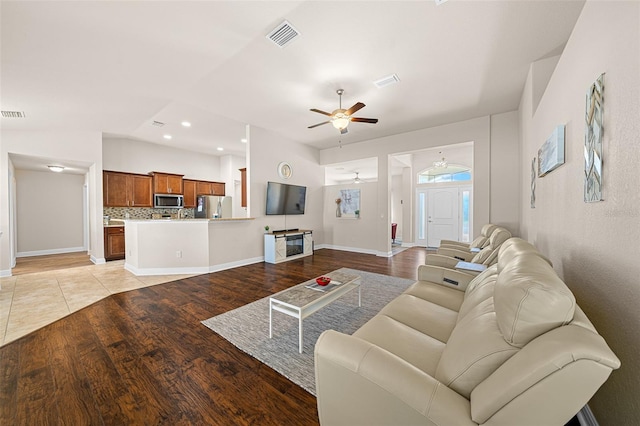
[
  {"x": 489, "y": 254},
  {"x": 474, "y": 350},
  {"x": 530, "y": 300}
]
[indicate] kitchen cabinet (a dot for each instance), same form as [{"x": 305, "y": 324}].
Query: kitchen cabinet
[
  {"x": 190, "y": 192},
  {"x": 204, "y": 188},
  {"x": 243, "y": 186},
  {"x": 126, "y": 190},
  {"x": 167, "y": 183},
  {"x": 217, "y": 188},
  {"x": 114, "y": 248}
]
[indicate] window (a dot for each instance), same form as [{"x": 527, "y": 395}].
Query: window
[{"x": 451, "y": 173}]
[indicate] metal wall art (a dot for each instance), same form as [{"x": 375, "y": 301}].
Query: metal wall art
[
  {"x": 551, "y": 153},
  {"x": 594, "y": 131},
  {"x": 533, "y": 183}
]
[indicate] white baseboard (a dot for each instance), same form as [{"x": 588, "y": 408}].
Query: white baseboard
[
  {"x": 230, "y": 265},
  {"x": 50, "y": 251},
  {"x": 98, "y": 260},
  {"x": 5, "y": 273},
  {"x": 351, "y": 249},
  {"x": 586, "y": 417},
  {"x": 191, "y": 269}
]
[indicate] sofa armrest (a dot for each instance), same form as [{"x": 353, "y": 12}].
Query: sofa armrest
[
  {"x": 454, "y": 247},
  {"x": 360, "y": 383},
  {"x": 443, "y": 276},
  {"x": 452, "y": 243},
  {"x": 465, "y": 256},
  {"x": 442, "y": 261}
]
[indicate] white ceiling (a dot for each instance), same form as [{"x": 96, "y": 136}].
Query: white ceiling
[{"x": 116, "y": 66}]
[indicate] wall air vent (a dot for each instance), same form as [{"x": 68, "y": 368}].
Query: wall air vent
[
  {"x": 157, "y": 123},
  {"x": 386, "y": 81},
  {"x": 283, "y": 34},
  {"x": 13, "y": 114}
]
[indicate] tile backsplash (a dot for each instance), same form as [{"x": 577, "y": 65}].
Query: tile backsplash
[{"x": 143, "y": 212}]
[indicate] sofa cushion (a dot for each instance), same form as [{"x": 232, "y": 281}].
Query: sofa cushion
[
  {"x": 474, "y": 350},
  {"x": 418, "y": 349},
  {"x": 427, "y": 317},
  {"x": 530, "y": 300},
  {"x": 448, "y": 297}
]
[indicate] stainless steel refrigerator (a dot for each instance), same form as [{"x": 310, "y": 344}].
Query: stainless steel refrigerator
[{"x": 213, "y": 207}]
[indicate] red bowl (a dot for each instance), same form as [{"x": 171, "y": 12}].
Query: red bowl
[{"x": 323, "y": 280}]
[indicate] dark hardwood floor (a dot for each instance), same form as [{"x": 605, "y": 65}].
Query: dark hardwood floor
[{"x": 142, "y": 357}]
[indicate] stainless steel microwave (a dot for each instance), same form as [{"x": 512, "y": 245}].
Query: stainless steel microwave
[{"x": 168, "y": 201}]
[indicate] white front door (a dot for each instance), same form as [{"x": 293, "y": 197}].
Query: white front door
[
  {"x": 442, "y": 215},
  {"x": 438, "y": 212}
]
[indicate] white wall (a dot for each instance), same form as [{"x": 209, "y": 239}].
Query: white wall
[
  {"x": 49, "y": 212},
  {"x": 476, "y": 130},
  {"x": 84, "y": 147},
  {"x": 230, "y": 166},
  {"x": 505, "y": 170},
  {"x": 351, "y": 234},
  {"x": 267, "y": 150},
  {"x": 594, "y": 247},
  {"x": 132, "y": 156}
]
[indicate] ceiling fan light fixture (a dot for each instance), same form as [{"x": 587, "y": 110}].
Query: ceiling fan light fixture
[
  {"x": 441, "y": 164},
  {"x": 357, "y": 179},
  {"x": 340, "y": 121}
]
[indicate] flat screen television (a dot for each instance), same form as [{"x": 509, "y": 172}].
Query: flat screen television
[{"x": 283, "y": 198}]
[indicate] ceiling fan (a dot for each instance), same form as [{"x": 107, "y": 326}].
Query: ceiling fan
[{"x": 340, "y": 118}]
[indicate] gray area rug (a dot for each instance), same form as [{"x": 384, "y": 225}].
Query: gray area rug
[{"x": 248, "y": 326}]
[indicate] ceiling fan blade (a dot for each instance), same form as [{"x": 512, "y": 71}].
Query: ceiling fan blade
[
  {"x": 319, "y": 124},
  {"x": 364, "y": 120},
  {"x": 355, "y": 108},
  {"x": 321, "y": 112}
]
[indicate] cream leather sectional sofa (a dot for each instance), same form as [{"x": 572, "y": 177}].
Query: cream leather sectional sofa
[{"x": 508, "y": 347}]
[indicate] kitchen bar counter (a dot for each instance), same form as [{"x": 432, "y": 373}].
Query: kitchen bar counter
[{"x": 190, "y": 246}]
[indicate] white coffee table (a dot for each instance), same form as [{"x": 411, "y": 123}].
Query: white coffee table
[{"x": 300, "y": 302}]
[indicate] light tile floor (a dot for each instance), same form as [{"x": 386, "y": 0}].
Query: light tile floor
[{"x": 31, "y": 301}]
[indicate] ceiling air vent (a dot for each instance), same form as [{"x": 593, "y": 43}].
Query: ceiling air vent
[
  {"x": 13, "y": 114},
  {"x": 386, "y": 81},
  {"x": 157, "y": 123},
  {"x": 283, "y": 34}
]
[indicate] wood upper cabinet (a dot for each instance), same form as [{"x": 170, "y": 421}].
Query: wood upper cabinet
[
  {"x": 204, "y": 188},
  {"x": 167, "y": 183},
  {"x": 243, "y": 187},
  {"x": 190, "y": 192},
  {"x": 126, "y": 190},
  {"x": 217, "y": 188}
]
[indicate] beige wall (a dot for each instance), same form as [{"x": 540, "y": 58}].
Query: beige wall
[
  {"x": 594, "y": 247},
  {"x": 505, "y": 169},
  {"x": 79, "y": 147},
  {"x": 49, "y": 212},
  {"x": 132, "y": 156},
  {"x": 347, "y": 233}
]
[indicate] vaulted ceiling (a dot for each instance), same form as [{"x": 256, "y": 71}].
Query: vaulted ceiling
[{"x": 116, "y": 66}]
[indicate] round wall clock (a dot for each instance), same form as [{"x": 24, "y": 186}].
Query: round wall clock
[{"x": 284, "y": 170}]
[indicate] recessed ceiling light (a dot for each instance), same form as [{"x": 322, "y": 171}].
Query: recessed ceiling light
[
  {"x": 243, "y": 140},
  {"x": 220, "y": 148},
  {"x": 186, "y": 124},
  {"x": 167, "y": 136},
  {"x": 56, "y": 169},
  {"x": 439, "y": 2}
]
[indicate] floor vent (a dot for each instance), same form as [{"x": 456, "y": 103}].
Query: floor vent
[
  {"x": 283, "y": 34},
  {"x": 157, "y": 123},
  {"x": 386, "y": 81},
  {"x": 13, "y": 114}
]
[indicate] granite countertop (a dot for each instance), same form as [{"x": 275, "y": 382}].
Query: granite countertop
[{"x": 113, "y": 223}]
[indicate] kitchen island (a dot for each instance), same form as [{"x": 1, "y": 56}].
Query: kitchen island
[{"x": 190, "y": 246}]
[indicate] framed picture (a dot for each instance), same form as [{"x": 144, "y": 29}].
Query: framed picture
[
  {"x": 349, "y": 204},
  {"x": 551, "y": 153}
]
